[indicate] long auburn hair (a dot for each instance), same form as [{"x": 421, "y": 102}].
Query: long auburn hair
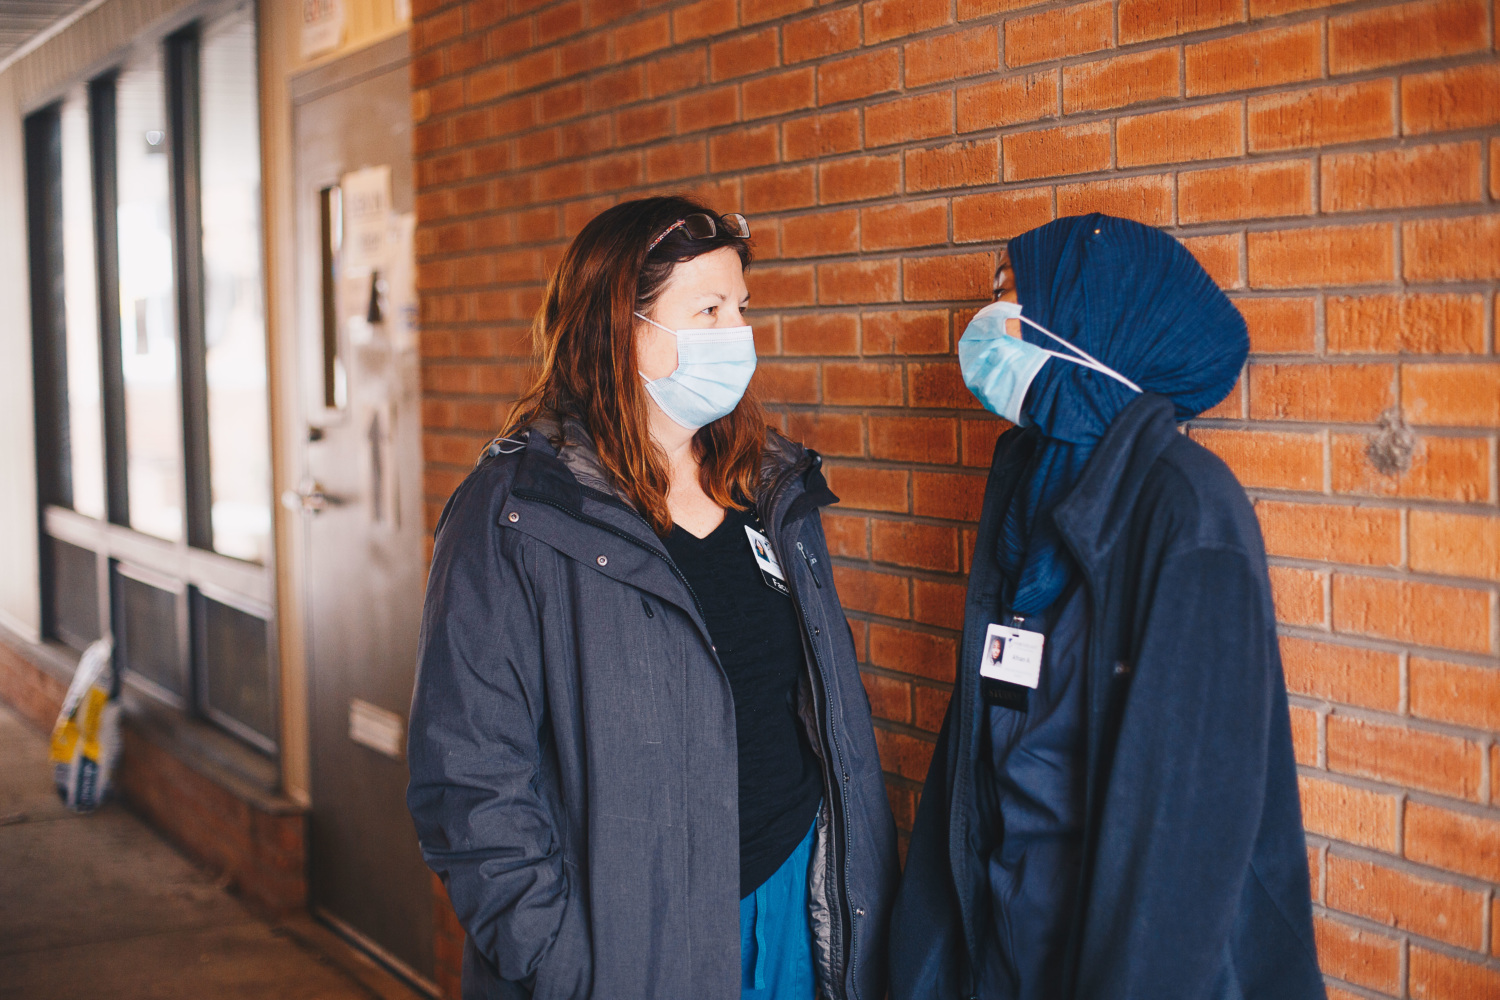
[{"x": 584, "y": 337}]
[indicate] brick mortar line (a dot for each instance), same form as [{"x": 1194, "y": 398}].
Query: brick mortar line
[
  {"x": 1355, "y": 357},
  {"x": 1489, "y": 812},
  {"x": 1366, "y": 925},
  {"x": 875, "y": 618},
  {"x": 1479, "y": 739},
  {"x": 892, "y": 673},
  {"x": 1316, "y": 219},
  {"x": 1401, "y": 936},
  {"x": 1375, "y": 644},
  {"x": 1379, "y": 503},
  {"x": 936, "y": 250},
  {"x": 1393, "y": 790},
  {"x": 1337, "y": 427},
  {"x": 1289, "y": 154},
  {"x": 1487, "y": 922},
  {"x": 1439, "y": 653},
  {"x": 906, "y": 729},
  {"x": 1300, "y": 154},
  {"x": 913, "y": 573},
  {"x": 902, "y": 782},
  {"x": 1309, "y": 153},
  {"x": 1346, "y": 851}
]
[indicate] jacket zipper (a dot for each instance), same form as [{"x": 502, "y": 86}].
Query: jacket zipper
[
  {"x": 839, "y": 808},
  {"x": 810, "y": 571},
  {"x": 627, "y": 536},
  {"x": 839, "y": 781}
]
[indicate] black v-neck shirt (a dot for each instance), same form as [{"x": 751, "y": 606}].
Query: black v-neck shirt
[{"x": 756, "y": 632}]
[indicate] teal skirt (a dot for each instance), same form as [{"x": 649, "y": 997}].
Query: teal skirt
[{"x": 775, "y": 935}]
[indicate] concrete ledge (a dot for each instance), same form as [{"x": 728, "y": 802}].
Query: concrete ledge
[{"x": 213, "y": 811}]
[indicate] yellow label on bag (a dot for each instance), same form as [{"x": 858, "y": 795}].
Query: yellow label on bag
[
  {"x": 93, "y": 708},
  {"x": 83, "y": 724},
  {"x": 64, "y": 740}
]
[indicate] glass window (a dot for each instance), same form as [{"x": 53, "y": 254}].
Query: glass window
[
  {"x": 148, "y": 325},
  {"x": 234, "y": 327},
  {"x": 161, "y": 426},
  {"x": 85, "y": 427}
]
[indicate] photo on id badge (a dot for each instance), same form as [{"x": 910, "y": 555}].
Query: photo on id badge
[
  {"x": 994, "y": 654},
  {"x": 770, "y": 569}
]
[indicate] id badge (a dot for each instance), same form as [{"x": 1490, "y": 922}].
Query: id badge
[
  {"x": 1012, "y": 655},
  {"x": 770, "y": 569}
]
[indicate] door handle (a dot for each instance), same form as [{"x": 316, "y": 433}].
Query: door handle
[{"x": 309, "y": 498}]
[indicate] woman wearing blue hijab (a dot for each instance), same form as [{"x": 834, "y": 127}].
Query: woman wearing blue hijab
[{"x": 1111, "y": 811}]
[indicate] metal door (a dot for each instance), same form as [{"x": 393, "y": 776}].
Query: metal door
[{"x": 361, "y": 496}]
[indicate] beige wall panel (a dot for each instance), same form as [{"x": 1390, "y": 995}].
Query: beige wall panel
[{"x": 20, "y": 599}]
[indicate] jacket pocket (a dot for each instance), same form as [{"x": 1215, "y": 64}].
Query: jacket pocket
[{"x": 653, "y": 655}]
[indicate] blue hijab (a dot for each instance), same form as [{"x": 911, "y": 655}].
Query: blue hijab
[{"x": 1138, "y": 301}]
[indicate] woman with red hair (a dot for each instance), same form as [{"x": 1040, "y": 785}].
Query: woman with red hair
[{"x": 638, "y": 701}]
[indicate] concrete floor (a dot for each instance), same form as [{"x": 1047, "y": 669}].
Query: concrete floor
[{"x": 101, "y": 907}]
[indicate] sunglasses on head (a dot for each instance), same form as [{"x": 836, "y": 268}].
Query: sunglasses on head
[{"x": 702, "y": 226}]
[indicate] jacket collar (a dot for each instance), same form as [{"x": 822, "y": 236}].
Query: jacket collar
[
  {"x": 560, "y": 461},
  {"x": 571, "y": 444},
  {"x": 1092, "y": 516}
]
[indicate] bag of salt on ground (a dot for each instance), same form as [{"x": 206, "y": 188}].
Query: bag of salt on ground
[{"x": 86, "y": 738}]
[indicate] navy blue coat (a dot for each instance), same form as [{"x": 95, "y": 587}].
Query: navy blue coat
[
  {"x": 574, "y": 769},
  {"x": 1194, "y": 883}
]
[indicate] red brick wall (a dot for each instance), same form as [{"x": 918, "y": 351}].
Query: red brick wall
[{"x": 1336, "y": 168}]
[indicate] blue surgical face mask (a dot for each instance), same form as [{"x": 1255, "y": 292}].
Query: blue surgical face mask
[
  {"x": 713, "y": 370},
  {"x": 999, "y": 368}
]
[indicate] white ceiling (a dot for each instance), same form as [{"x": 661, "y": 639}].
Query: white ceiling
[{"x": 22, "y": 20}]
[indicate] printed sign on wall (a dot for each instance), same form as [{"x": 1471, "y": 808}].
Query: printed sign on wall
[
  {"x": 322, "y": 26},
  {"x": 367, "y": 221}
]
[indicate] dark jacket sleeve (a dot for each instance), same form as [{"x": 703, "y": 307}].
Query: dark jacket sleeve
[
  {"x": 1185, "y": 793},
  {"x": 476, "y": 756}
]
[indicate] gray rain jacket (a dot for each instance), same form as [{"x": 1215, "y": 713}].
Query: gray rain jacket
[{"x": 574, "y": 777}]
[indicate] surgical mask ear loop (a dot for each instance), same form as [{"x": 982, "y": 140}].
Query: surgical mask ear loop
[
  {"x": 656, "y": 324},
  {"x": 1089, "y": 361}
]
